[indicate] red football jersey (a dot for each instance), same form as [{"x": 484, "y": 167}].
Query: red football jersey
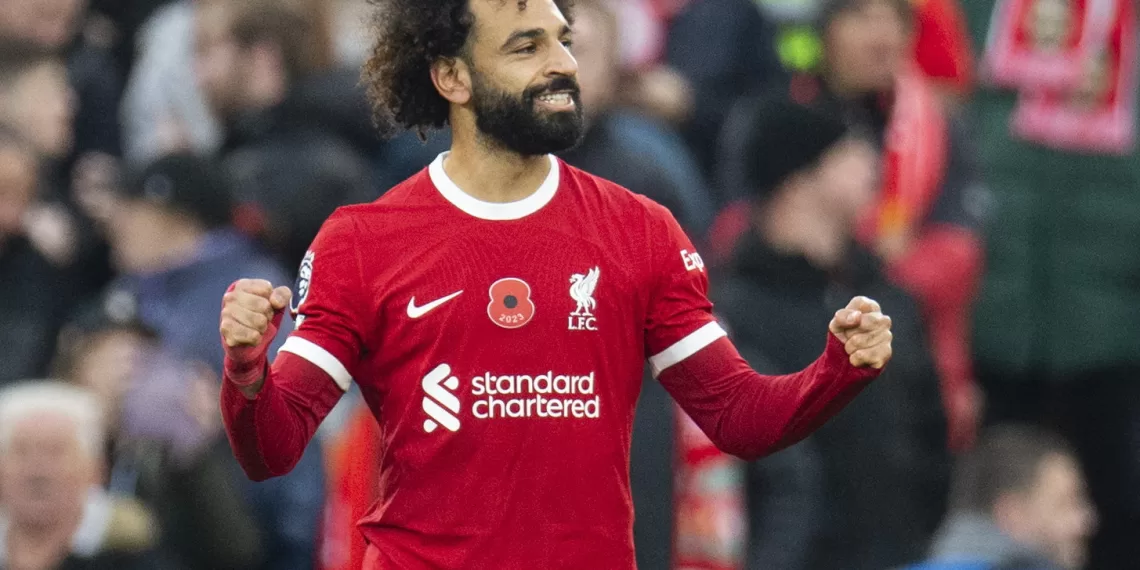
[{"x": 501, "y": 347}]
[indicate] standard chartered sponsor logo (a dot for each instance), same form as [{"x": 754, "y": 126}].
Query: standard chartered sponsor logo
[
  {"x": 546, "y": 395},
  {"x": 506, "y": 396},
  {"x": 439, "y": 404}
]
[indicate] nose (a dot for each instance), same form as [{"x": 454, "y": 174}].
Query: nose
[{"x": 562, "y": 62}]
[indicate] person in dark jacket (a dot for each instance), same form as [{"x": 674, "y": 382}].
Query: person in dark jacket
[
  {"x": 924, "y": 223},
  {"x": 34, "y": 293},
  {"x": 725, "y": 49},
  {"x": 882, "y": 461},
  {"x": 298, "y": 138},
  {"x": 171, "y": 239}
]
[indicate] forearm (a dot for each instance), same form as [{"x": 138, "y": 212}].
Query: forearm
[
  {"x": 269, "y": 433},
  {"x": 750, "y": 415}
]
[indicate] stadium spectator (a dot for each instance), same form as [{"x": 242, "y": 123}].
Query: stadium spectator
[
  {"x": 883, "y": 460},
  {"x": 34, "y": 294},
  {"x": 37, "y": 104},
  {"x": 54, "y": 515},
  {"x": 638, "y": 153},
  {"x": 171, "y": 241},
  {"x": 925, "y": 222},
  {"x": 165, "y": 441},
  {"x": 724, "y": 50},
  {"x": 164, "y": 109},
  {"x": 1018, "y": 501},
  {"x": 297, "y": 138},
  {"x": 61, "y": 27}
]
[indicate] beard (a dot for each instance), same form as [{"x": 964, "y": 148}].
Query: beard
[{"x": 516, "y": 123}]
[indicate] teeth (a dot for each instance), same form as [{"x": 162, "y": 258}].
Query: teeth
[{"x": 556, "y": 98}]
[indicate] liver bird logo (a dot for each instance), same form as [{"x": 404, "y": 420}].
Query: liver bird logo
[{"x": 582, "y": 291}]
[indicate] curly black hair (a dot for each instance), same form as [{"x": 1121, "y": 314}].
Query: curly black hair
[{"x": 410, "y": 36}]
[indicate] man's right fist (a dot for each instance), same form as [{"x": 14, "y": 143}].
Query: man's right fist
[{"x": 251, "y": 314}]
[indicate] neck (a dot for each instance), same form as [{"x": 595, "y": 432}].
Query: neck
[
  {"x": 488, "y": 172},
  {"x": 36, "y": 547},
  {"x": 792, "y": 229}
]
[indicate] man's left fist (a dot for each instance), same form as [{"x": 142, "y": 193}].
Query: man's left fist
[{"x": 865, "y": 331}]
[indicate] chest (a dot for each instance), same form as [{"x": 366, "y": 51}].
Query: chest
[{"x": 512, "y": 293}]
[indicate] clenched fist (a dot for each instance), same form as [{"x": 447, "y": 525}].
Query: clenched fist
[
  {"x": 251, "y": 314},
  {"x": 865, "y": 332}
]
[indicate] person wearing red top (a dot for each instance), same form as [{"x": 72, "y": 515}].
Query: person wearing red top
[{"x": 496, "y": 311}]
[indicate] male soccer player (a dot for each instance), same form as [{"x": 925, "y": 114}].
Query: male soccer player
[{"x": 496, "y": 311}]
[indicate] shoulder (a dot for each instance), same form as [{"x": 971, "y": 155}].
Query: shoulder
[
  {"x": 386, "y": 214},
  {"x": 617, "y": 199}
]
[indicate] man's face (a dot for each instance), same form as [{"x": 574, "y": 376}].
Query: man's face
[
  {"x": 596, "y": 49},
  {"x": 524, "y": 79},
  {"x": 137, "y": 236},
  {"x": 1055, "y": 515},
  {"x": 108, "y": 365},
  {"x": 865, "y": 47},
  {"x": 847, "y": 176},
  {"x": 17, "y": 188},
  {"x": 219, "y": 62},
  {"x": 49, "y": 23},
  {"x": 41, "y": 105},
  {"x": 44, "y": 471}
]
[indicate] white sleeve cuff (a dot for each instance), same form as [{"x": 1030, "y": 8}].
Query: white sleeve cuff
[
  {"x": 686, "y": 347},
  {"x": 320, "y": 357}
]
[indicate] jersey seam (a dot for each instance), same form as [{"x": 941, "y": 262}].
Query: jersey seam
[{"x": 359, "y": 289}]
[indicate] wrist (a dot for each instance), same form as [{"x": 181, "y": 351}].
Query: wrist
[{"x": 245, "y": 373}]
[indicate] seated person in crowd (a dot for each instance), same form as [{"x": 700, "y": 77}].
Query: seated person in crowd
[{"x": 1018, "y": 502}]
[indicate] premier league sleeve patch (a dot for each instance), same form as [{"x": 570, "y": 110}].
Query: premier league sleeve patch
[{"x": 301, "y": 286}]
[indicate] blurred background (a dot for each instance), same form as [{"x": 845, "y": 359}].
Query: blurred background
[{"x": 971, "y": 164}]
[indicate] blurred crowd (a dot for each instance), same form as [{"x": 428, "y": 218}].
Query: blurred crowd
[{"x": 970, "y": 164}]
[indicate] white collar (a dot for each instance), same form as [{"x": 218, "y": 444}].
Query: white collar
[{"x": 494, "y": 210}]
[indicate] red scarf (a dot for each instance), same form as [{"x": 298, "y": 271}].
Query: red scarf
[
  {"x": 1078, "y": 94},
  {"x": 914, "y": 160}
]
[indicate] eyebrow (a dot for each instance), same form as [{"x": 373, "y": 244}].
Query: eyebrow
[{"x": 532, "y": 34}]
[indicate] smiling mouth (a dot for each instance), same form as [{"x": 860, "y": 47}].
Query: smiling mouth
[{"x": 559, "y": 100}]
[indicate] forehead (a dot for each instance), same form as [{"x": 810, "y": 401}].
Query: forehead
[
  {"x": 44, "y": 426},
  {"x": 496, "y": 20}
]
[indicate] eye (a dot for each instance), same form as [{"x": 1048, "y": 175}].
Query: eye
[
  {"x": 568, "y": 43},
  {"x": 527, "y": 49}
]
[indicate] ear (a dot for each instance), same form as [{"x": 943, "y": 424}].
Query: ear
[{"x": 452, "y": 78}]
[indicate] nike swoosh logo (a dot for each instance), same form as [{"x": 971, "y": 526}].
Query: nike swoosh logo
[{"x": 417, "y": 312}]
